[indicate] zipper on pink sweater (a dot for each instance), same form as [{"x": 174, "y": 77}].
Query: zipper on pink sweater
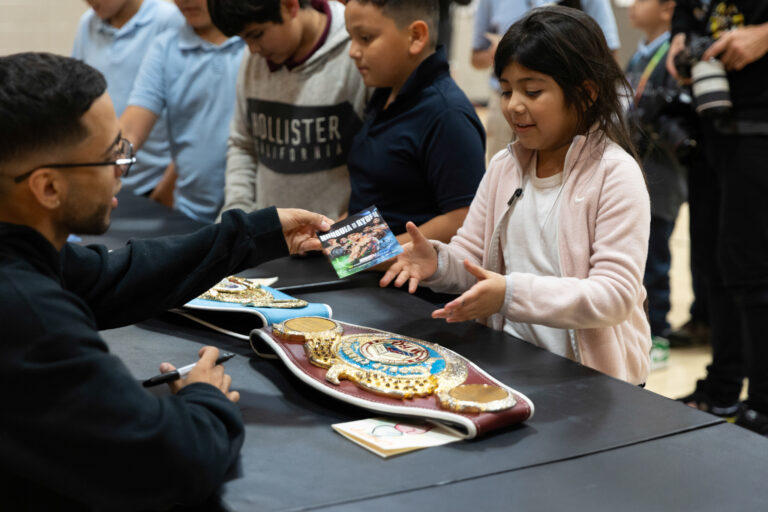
[{"x": 517, "y": 193}]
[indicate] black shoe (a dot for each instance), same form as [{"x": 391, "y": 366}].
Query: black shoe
[
  {"x": 690, "y": 333},
  {"x": 752, "y": 420},
  {"x": 703, "y": 402}
]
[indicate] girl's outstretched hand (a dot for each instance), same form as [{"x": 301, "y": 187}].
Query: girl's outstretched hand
[
  {"x": 482, "y": 300},
  {"x": 418, "y": 261}
]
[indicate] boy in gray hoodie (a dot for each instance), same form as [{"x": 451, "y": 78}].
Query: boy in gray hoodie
[{"x": 299, "y": 103}]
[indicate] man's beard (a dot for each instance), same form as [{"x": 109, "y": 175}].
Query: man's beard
[{"x": 95, "y": 223}]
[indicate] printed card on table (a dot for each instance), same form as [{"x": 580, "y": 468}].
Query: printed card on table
[
  {"x": 359, "y": 242},
  {"x": 387, "y": 437}
]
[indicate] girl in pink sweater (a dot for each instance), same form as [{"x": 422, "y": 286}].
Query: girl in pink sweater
[{"x": 554, "y": 245}]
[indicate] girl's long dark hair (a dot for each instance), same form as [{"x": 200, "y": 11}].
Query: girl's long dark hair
[{"x": 569, "y": 46}]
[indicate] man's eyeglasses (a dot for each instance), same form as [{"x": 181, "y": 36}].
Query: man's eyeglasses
[{"x": 124, "y": 152}]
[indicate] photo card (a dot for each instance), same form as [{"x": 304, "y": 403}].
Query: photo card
[{"x": 358, "y": 242}]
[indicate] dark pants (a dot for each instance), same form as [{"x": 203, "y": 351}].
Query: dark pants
[
  {"x": 733, "y": 248},
  {"x": 702, "y": 195},
  {"x": 656, "y": 279}
]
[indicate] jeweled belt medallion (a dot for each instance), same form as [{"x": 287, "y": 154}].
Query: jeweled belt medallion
[
  {"x": 476, "y": 398},
  {"x": 393, "y": 365}
]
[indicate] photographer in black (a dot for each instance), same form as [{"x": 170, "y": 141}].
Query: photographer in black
[{"x": 729, "y": 214}]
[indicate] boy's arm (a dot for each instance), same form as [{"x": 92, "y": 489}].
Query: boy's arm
[
  {"x": 454, "y": 156},
  {"x": 468, "y": 244},
  {"x": 137, "y": 123},
  {"x": 242, "y": 160},
  {"x": 454, "y": 152},
  {"x": 442, "y": 227},
  {"x": 148, "y": 95}
]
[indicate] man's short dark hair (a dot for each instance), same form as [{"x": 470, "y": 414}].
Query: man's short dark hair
[
  {"x": 405, "y": 12},
  {"x": 42, "y": 100},
  {"x": 231, "y": 16}
]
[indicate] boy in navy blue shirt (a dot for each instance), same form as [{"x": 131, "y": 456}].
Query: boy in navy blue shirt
[{"x": 420, "y": 153}]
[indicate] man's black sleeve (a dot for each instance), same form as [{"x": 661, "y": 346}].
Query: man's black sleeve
[{"x": 145, "y": 277}]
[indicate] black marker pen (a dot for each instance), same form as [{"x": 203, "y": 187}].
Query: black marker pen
[{"x": 178, "y": 373}]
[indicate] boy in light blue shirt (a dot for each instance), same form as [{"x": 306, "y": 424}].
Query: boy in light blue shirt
[
  {"x": 113, "y": 37},
  {"x": 191, "y": 74}
]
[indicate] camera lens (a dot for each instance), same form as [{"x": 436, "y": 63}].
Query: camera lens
[{"x": 710, "y": 88}]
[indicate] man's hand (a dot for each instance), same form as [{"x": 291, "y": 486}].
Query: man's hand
[
  {"x": 675, "y": 46},
  {"x": 482, "y": 300},
  {"x": 206, "y": 370},
  {"x": 739, "y": 47},
  {"x": 299, "y": 227},
  {"x": 417, "y": 262}
]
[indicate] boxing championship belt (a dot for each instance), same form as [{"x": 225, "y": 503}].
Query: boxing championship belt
[{"x": 393, "y": 374}]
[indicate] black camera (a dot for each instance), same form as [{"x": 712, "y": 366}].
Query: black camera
[
  {"x": 665, "y": 120},
  {"x": 711, "y": 90}
]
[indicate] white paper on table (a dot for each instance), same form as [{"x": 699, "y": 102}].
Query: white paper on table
[{"x": 390, "y": 436}]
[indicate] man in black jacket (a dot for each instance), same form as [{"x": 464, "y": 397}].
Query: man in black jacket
[
  {"x": 729, "y": 218},
  {"x": 76, "y": 430}
]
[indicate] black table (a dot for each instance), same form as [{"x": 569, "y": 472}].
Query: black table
[
  {"x": 712, "y": 469},
  {"x": 591, "y": 443},
  {"x": 578, "y": 411}
]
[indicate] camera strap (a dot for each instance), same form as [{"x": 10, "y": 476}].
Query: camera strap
[{"x": 649, "y": 68}]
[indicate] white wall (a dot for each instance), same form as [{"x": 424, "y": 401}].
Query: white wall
[{"x": 39, "y": 25}]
